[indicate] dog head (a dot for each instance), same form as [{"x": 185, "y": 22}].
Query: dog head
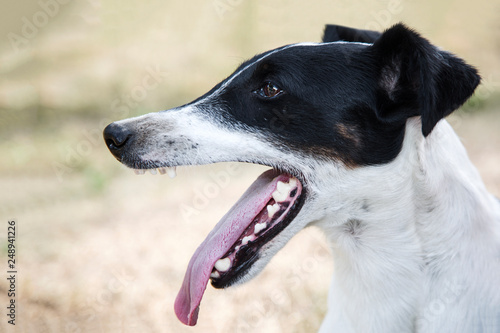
[{"x": 319, "y": 115}]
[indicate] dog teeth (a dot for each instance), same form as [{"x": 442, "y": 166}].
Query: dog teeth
[
  {"x": 171, "y": 172},
  {"x": 215, "y": 275},
  {"x": 279, "y": 196},
  {"x": 259, "y": 227},
  {"x": 246, "y": 239},
  {"x": 281, "y": 192},
  {"x": 284, "y": 189},
  {"x": 272, "y": 209},
  {"x": 223, "y": 265}
]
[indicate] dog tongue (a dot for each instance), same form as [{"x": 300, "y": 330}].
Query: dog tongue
[{"x": 219, "y": 241}]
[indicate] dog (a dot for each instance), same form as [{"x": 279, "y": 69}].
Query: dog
[{"x": 353, "y": 129}]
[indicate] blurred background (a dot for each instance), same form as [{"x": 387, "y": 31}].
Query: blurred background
[{"x": 100, "y": 249}]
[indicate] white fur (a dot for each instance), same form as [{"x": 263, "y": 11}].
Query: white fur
[
  {"x": 416, "y": 242},
  {"x": 427, "y": 257}
]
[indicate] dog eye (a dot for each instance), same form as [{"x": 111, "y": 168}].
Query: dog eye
[{"x": 269, "y": 90}]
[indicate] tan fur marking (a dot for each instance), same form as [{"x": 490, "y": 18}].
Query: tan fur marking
[{"x": 349, "y": 133}]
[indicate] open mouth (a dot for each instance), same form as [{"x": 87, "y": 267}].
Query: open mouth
[
  {"x": 235, "y": 244},
  {"x": 281, "y": 208}
]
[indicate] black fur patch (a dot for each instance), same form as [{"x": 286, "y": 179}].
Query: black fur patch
[
  {"x": 416, "y": 79},
  {"x": 335, "y": 33},
  {"x": 348, "y": 102}
]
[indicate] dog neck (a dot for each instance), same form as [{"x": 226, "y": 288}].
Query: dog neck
[
  {"x": 397, "y": 231},
  {"x": 454, "y": 209}
]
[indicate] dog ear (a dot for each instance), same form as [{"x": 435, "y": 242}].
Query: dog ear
[
  {"x": 334, "y": 33},
  {"x": 417, "y": 79}
]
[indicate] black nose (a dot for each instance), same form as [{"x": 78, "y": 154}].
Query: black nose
[{"x": 116, "y": 138}]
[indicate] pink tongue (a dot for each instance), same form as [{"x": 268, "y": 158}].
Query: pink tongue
[{"x": 219, "y": 241}]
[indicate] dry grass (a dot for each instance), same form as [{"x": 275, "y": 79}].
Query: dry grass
[{"x": 102, "y": 250}]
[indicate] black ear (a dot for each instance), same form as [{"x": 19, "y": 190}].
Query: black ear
[
  {"x": 334, "y": 33},
  {"x": 417, "y": 79}
]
